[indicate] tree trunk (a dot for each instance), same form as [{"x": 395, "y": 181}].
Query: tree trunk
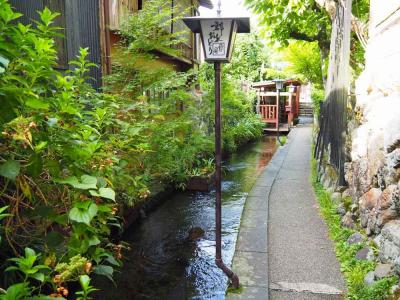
[{"x": 356, "y": 25}]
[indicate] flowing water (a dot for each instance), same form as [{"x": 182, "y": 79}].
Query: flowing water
[{"x": 163, "y": 263}]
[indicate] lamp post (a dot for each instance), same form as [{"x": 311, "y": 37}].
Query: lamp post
[
  {"x": 279, "y": 86},
  {"x": 218, "y": 37}
]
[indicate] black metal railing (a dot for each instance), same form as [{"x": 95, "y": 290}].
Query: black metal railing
[{"x": 331, "y": 141}]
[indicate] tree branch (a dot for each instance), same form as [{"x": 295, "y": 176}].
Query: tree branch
[
  {"x": 303, "y": 37},
  {"x": 357, "y": 26}
]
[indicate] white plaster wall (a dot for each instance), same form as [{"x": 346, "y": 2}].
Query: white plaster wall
[
  {"x": 305, "y": 93},
  {"x": 378, "y": 88}
]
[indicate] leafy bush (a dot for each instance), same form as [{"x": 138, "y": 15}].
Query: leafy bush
[
  {"x": 239, "y": 123},
  {"x": 317, "y": 97},
  {"x": 72, "y": 158},
  {"x": 304, "y": 59},
  {"x": 54, "y": 148},
  {"x": 271, "y": 74}
]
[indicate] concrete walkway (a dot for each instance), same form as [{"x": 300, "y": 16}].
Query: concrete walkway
[{"x": 283, "y": 249}]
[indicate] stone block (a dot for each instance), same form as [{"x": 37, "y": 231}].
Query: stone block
[
  {"x": 369, "y": 279},
  {"x": 389, "y": 242},
  {"x": 347, "y": 221},
  {"x": 370, "y": 199},
  {"x": 389, "y": 196},
  {"x": 336, "y": 197},
  {"x": 346, "y": 193},
  {"x": 389, "y": 173},
  {"x": 384, "y": 270},
  {"x": 341, "y": 210},
  {"x": 362, "y": 254},
  {"x": 355, "y": 238}
]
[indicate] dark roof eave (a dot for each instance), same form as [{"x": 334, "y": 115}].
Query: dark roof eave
[{"x": 206, "y": 3}]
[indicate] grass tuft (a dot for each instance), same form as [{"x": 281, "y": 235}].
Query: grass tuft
[{"x": 232, "y": 290}]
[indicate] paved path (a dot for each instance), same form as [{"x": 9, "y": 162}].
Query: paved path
[{"x": 283, "y": 250}]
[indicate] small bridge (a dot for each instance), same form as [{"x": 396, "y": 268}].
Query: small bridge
[{"x": 270, "y": 106}]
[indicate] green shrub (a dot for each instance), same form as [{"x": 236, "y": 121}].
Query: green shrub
[
  {"x": 54, "y": 148},
  {"x": 71, "y": 157},
  {"x": 317, "y": 97}
]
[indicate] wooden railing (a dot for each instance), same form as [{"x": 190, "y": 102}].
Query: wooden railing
[{"x": 268, "y": 113}]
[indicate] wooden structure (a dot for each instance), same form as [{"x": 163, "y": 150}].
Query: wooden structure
[
  {"x": 95, "y": 24},
  {"x": 269, "y": 107}
]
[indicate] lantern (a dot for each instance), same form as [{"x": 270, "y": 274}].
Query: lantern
[{"x": 218, "y": 35}]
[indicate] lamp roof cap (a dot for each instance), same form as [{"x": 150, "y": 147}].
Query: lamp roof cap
[{"x": 194, "y": 23}]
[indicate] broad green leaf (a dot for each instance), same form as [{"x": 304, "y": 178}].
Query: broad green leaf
[
  {"x": 104, "y": 270},
  {"x": 10, "y": 169},
  {"x": 3, "y": 209},
  {"x": 30, "y": 252},
  {"x": 112, "y": 261},
  {"x": 12, "y": 268},
  {"x": 44, "y": 212},
  {"x": 107, "y": 193},
  {"x": 83, "y": 215},
  {"x": 93, "y": 241},
  {"x": 54, "y": 167},
  {"x": 38, "y": 276},
  {"x": 3, "y": 64},
  {"x": 4, "y": 61},
  {"x": 17, "y": 291},
  {"x": 40, "y": 146},
  {"x": 53, "y": 239},
  {"x": 37, "y": 103},
  {"x": 87, "y": 182},
  {"x": 84, "y": 280},
  {"x": 62, "y": 220},
  {"x": 35, "y": 165}
]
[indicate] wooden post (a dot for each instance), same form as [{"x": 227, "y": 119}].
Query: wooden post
[
  {"x": 290, "y": 115},
  {"x": 277, "y": 111}
]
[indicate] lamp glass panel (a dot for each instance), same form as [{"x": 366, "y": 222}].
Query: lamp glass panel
[
  {"x": 216, "y": 35},
  {"x": 233, "y": 39},
  {"x": 279, "y": 84}
]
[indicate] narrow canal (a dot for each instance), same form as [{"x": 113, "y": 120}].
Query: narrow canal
[{"x": 163, "y": 263}]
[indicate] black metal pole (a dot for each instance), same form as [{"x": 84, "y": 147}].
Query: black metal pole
[{"x": 218, "y": 158}]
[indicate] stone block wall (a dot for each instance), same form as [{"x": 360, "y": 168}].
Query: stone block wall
[{"x": 373, "y": 174}]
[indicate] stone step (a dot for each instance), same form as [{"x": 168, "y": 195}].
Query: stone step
[
  {"x": 308, "y": 105},
  {"x": 306, "y": 111},
  {"x": 308, "y": 114}
]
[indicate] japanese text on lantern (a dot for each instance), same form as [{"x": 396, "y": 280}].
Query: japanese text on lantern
[{"x": 216, "y": 46}]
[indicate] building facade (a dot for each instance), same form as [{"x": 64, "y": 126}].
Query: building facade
[{"x": 95, "y": 23}]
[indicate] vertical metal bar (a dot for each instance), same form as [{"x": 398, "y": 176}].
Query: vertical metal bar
[
  {"x": 218, "y": 192},
  {"x": 218, "y": 159}
]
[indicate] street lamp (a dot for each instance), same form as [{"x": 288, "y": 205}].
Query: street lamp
[
  {"x": 218, "y": 38},
  {"x": 279, "y": 83}
]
